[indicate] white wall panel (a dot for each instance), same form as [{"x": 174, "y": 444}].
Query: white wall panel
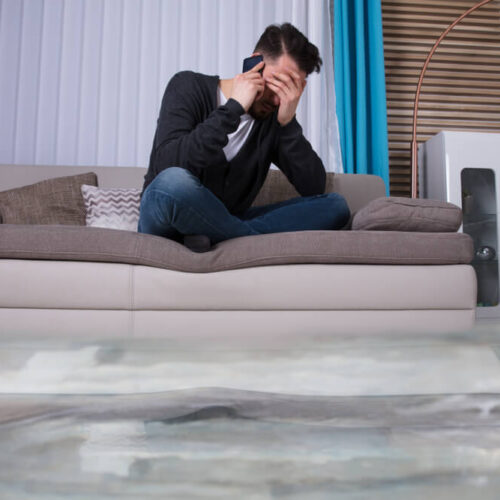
[
  {"x": 11, "y": 14},
  {"x": 247, "y": 34},
  {"x": 148, "y": 77},
  {"x": 313, "y": 94},
  {"x": 29, "y": 82},
  {"x": 227, "y": 64},
  {"x": 187, "y": 35},
  {"x": 82, "y": 81},
  {"x": 170, "y": 53},
  {"x": 330, "y": 138},
  {"x": 299, "y": 18},
  {"x": 107, "y": 125},
  {"x": 281, "y": 10},
  {"x": 50, "y": 70},
  {"x": 90, "y": 83},
  {"x": 129, "y": 83},
  {"x": 208, "y": 41},
  {"x": 70, "y": 81}
]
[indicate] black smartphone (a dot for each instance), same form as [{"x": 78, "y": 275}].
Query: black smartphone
[{"x": 250, "y": 62}]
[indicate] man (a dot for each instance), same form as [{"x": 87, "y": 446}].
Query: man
[{"x": 214, "y": 143}]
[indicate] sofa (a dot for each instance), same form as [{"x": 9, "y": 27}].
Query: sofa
[{"x": 73, "y": 280}]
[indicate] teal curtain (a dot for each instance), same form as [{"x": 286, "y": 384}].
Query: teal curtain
[{"x": 360, "y": 87}]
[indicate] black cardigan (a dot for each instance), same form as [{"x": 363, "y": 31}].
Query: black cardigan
[{"x": 192, "y": 131}]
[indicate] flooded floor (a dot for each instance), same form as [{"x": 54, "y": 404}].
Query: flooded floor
[{"x": 314, "y": 417}]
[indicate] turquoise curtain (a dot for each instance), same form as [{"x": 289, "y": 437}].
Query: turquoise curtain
[{"x": 360, "y": 87}]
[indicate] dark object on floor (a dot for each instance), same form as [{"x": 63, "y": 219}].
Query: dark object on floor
[{"x": 197, "y": 242}]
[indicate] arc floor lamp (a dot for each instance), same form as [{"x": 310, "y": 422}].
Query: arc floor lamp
[{"x": 414, "y": 152}]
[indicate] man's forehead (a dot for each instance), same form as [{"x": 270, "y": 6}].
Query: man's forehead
[{"x": 285, "y": 62}]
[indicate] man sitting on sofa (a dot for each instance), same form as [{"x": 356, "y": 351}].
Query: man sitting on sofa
[{"x": 214, "y": 143}]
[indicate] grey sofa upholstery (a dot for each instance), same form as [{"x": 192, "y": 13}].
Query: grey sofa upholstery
[{"x": 83, "y": 281}]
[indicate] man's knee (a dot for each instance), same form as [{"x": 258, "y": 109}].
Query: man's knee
[
  {"x": 170, "y": 191},
  {"x": 169, "y": 186},
  {"x": 175, "y": 181},
  {"x": 340, "y": 208}
]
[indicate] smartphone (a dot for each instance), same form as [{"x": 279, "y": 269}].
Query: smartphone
[{"x": 250, "y": 62}]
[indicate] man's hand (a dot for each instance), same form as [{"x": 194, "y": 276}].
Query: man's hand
[
  {"x": 288, "y": 86},
  {"x": 248, "y": 86}
]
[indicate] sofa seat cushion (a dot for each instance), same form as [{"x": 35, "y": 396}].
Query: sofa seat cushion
[
  {"x": 408, "y": 214},
  {"x": 79, "y": 243}
]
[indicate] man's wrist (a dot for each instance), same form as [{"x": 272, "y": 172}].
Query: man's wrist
[
  {"x": 286, "y": 123},
  {"x": 283, "y": 125},
  {"x": 235, "y": 106}
]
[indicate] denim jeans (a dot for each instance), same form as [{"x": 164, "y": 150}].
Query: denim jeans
[{"x": 175, "y": 203}]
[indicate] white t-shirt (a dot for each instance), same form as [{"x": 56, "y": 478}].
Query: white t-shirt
[{"x": 238, "y": 138}]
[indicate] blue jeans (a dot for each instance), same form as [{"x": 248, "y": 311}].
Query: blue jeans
[{"x": 176, "y": 203}]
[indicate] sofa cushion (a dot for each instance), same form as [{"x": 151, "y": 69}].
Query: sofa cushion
[
  {"x": 408, "y": 214},
  {"x": 113, "y": 208},
  {"x": 54, "y": 201},
  {"x": 301, "y": 247}
]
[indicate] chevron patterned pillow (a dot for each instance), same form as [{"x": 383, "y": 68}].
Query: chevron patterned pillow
[{"x": 113, "y": 208}]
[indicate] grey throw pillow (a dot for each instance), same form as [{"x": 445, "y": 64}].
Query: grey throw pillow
[
  {"x": 53, "y": 201},
  {"x": 408, "y": 214}
]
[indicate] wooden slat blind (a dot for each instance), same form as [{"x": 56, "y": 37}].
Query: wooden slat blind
[{"x": 461, "y": 89}]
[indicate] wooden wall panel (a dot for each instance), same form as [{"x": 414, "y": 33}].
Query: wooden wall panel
[{"x": 461, "y": 89}]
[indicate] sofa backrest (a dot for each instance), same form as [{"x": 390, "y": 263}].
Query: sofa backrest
[
  {"x": 12, "y": 176},
  {"x": 358, "y": 189}
]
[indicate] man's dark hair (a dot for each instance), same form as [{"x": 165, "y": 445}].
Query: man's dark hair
[{"x": 287, "y": 39}]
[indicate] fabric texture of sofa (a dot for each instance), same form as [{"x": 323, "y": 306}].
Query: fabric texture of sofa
[{"x": 403, "y": 268}]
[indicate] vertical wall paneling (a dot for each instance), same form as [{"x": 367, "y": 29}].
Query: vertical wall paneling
[
  {"x": 69, "y": 86},
  {"x": 314, "y": 29},
  {"x": 82, "y": 80},
  {"x": 299, "y": 12},
  {"x": 129, "y": 76},
  {"x": 170, "y": 50},
  {"x": 282, "y": 11},
  {"x": 208, "y": 42},
  {"x": 90, "y": 83},
  {"x": 188, "y": 33},
  {"x": 261, "y": 12},
  {"x": 298, "y": 17},
  {"x": 48, "y": 99},
  {"x": 229, "y": 61},
  {"x": 11, "y": 14},
  {"x": 107, "y": 141},
  {"x": 28, "y": 85},
  {"x": 148, "y": 77},
  {"x": 247, "y": 34},
  {"x": 330, "y": 145}
]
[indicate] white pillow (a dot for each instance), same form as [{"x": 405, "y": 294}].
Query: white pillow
[{"x": 113, "y": 208}]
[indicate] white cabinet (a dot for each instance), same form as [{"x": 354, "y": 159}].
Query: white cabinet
[{"x": 464, "y": 168}]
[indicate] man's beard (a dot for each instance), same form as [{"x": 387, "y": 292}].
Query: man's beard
[{"x": 259, "y": 112}]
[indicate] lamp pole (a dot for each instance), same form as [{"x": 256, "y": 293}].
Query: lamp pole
[{"x": 414, "y": 152}]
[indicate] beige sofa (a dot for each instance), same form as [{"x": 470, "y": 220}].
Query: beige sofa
[{"x": 83, "y": 281}]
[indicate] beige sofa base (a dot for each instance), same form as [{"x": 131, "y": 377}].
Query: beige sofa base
[
  {"x": 52, "y": 284},
  {"x": 227, "y": 324},
  {"x": 86, "y": 299}
]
